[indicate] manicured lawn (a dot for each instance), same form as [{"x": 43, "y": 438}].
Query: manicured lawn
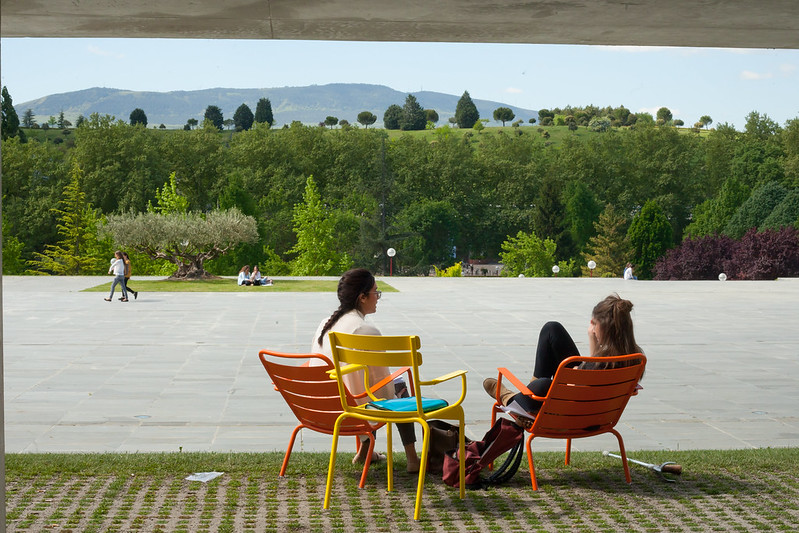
[
  {"x": 230, "y": 285},
  {"x": 736, "y": 490}
]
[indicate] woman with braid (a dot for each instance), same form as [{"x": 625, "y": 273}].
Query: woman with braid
[
  {"x": 358, "y": 296},
  {"x": 610, "y": 333}
]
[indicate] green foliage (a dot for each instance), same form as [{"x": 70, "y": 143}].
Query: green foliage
[
  {"x": 755, "y": 210},
  {"x": 316, "y": 238},
  {"x": 75, "y": 254},
  {"x": 455, "y": 271},
  {"x": 214, "y": 115},
  {"x": 413, "y": 116},
  {"x": 786, "y": 213},
  {"x": 599, "y": 124},
  {"x": 10, "y": 120},
  {"x": 366, "y": 118},
  {"x": 432, "y": 230},
  {"x": 664, "y": 114},
  {"x": 137, "y": 116},
  {"x": 609, "y": 248},
  {"x": 263, "y": 112},
  {"x": 650, "y": 237},
  {"x": 582, "y": 210},
  {"x": 243, "y": 118},
  {"x": 431, "y": 115},
  {"x": 185, "y": 239},
  {"x": 713, "y": 215},
  {"x": 392, "y": 117},
  {"x": 13, "y": 263},
  {"x": 168, "y": 201},
  {"x": 526, "y": 254},
  {"x": 466, "y": 113},
  {"x": 503, "y": 114},
  {"x": 331, "y": 121}
]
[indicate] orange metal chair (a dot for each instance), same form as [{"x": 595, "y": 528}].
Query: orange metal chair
[
  {"x": 314, "y": 398},
  {"x": 580, "y": 402}
]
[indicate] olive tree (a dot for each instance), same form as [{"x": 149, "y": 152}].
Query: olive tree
[{"x": 185, "y": 239}]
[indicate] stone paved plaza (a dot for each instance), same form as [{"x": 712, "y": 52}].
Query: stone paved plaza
[{"x": 174, "y": 371}]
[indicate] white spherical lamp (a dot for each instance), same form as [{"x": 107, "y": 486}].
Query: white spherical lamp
[{"x": 722, "y": 277}]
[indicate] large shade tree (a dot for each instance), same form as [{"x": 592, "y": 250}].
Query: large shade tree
[{"x": 187, "y": 240}]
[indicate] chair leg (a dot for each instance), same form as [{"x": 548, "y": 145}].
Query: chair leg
[
  {"x": 623, "y": 456},
  {"x": 368, "y": 460},
  {"x": 332, "y": 466},
  {"x": 288, "y": 450},
  {"x": 389, "y": 457},
  {"x": 530, "y": 462},
  {"x": 422, "y": 468},
  {"x": 568, "y": 451},
  {"x": 462, "y": 457}
]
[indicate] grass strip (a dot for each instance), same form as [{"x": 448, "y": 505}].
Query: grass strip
[
  {"x": 731, "y": 490},
  {"x": 230, "y": 285}
]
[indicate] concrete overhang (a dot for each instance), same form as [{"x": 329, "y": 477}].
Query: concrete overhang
[{"x": 703, "y": 23}]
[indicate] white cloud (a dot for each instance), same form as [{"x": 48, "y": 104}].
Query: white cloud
[
  {"x": 651, "y": 110},
  {"x": 513, "y": 90},
  {"x": 787, "y": 68},
  {"x": 749, "y": 75},
  {"x": 104, "y": 53}
]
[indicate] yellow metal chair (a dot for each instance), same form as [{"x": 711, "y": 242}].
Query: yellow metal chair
[{"x": 352, "y": 353}]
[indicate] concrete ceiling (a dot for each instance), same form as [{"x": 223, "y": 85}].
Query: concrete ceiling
[{"x": 715, "y": 23}]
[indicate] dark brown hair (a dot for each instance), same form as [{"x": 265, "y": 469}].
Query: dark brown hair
[
  {"x": 616, "y": 323},
  {"x": 350, "y": 287}
]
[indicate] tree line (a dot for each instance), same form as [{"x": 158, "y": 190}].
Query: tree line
[{"x": 622, "y": 194}]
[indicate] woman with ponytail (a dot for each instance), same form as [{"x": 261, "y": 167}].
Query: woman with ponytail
[
  {"x": 610, "y": 333},
  {"x": 358, "y": 296}
]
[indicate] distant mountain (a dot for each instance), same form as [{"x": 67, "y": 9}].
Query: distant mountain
[{"x": 309, "y": 105}]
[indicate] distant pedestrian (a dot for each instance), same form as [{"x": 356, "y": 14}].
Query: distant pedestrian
[
  {"x": 118, "y": 270},
  {"x": 127, "y": 275}
]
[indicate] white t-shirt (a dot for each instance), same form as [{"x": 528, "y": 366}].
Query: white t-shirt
[
  {"x": 354, "y": 322},
  {"x": 628, "y": 273}
]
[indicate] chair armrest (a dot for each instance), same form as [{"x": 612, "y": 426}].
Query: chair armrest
[
  {"x": 385, "y": 381},
  {"x": 502, "y": 371},
  {"x": 344, "y": 370},
  {"x": 445, "y": 377}
]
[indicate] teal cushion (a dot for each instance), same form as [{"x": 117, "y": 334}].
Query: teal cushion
[{"x": 409, "y": 404}]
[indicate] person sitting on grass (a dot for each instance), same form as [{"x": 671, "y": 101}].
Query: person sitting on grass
[
  {"x": 257, "y": 279},
  {"x": 244, "y": 275},
  {"x": 610, "y": 333}
]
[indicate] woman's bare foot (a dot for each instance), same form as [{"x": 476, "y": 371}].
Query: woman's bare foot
[{"x": 360, "y": 458}]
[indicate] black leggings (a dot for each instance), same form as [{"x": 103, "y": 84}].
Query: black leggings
[
  {"x": 127, "y": 287},
  {"x": 554, "y": 346}
]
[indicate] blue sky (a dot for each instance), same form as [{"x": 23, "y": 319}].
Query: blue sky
[{"x": 724, "y": 83}]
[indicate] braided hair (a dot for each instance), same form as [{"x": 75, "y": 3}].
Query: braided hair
[
  {"x": 351, "y": 286},
  {"x": 616, "y": 323}
]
